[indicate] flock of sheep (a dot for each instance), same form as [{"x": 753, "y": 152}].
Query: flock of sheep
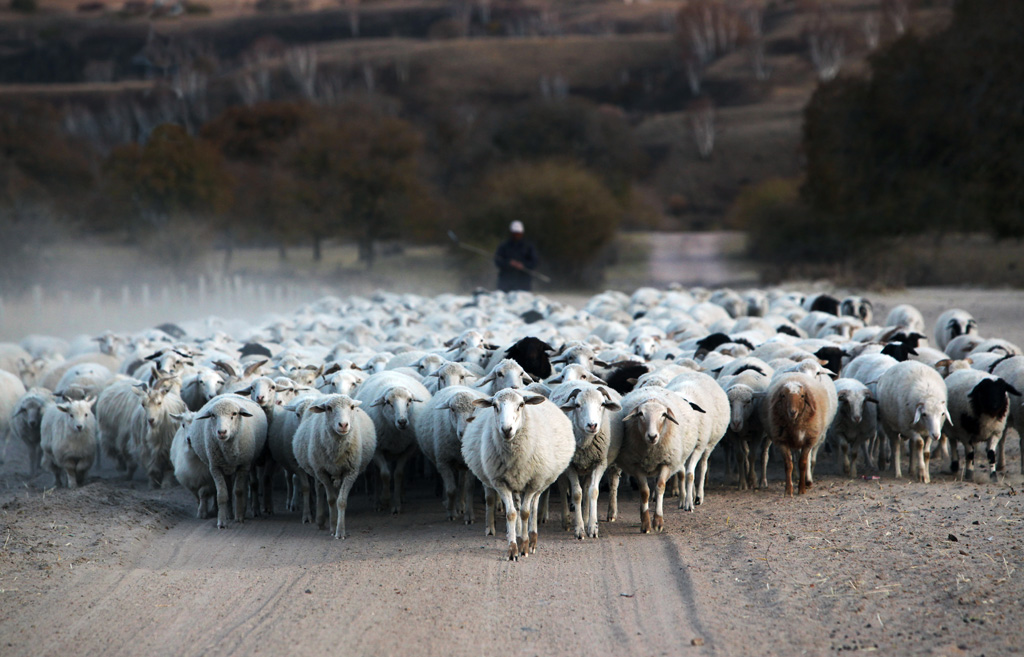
[{"x": 518, "y": 392}]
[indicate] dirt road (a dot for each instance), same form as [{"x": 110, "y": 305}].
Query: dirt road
[{"x": 873, "y": 565}]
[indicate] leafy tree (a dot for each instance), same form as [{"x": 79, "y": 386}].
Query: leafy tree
[
  {"x": 569, "y": 214},
  {"x": 353, "y": 172}
]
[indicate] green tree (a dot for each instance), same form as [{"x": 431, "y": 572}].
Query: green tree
[{"x": 569, "y": 213}]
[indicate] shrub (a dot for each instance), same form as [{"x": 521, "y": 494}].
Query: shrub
[
  {"x": 569, "y": 214},
  {"x": 24, "y": 6}
]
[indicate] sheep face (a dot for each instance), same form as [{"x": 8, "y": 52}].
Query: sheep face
[
  {"x": 263, "y": 391},
  {"x": 345, "y": 382},
  {"x": 79, "y": 412},
  {"x": 586, "y": 409},
  {"x": 395, "y": 405},
  {"x": 650, "y": 418},
  {"x": 30, "y": 414},
  {"x": 451, "y": 374},
  {"x": 227, "y": 419},
  {"x": 929, "y": 417},
  {"x": 795, "y": 400},
  {"x": 339, "y": 413},
  {"x": 209, "y": 383},
  {"x": 741, "y": 404},
  {"x": 304, "y": 376},
  {"x": 851, "y": 404},
  {"x": 429, "y": 364},
  {"x": 509, "y": 410},
  {"x": 645, "y": 346},
  {"x": 508, "y": 374},
  {"x": 153, "y": 404}
]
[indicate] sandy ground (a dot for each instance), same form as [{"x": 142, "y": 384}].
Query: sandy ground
[{"x": 868, "y": 564}]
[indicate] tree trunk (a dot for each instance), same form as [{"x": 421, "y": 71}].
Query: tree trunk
[
  {"x": 317, "y": 252},
  {"x": 282, "y": 251}
]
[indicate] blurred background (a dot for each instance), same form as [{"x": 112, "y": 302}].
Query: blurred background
[{"x": 226, "y": 155}]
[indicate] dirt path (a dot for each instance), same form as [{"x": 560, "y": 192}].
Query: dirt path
[{"x": 875, "y": 565}]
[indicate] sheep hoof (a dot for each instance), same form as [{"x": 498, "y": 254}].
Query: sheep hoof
[
  {"x": 592, "y": 532},
  {"x": 645, "y": 522},
  {"x": 579, "y": 534},
  {"x": 513, "y": 551},
  {"x": 533, "y": 542},
  {"x": 659, "y": 523}
]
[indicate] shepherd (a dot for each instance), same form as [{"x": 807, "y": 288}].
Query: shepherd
[{"x": 515, "y": 258}]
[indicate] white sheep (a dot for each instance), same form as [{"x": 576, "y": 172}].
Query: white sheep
[
  {"x": 596, "y": 418},
  {"x": 506, "y": 374},
  {"x": 978, "y": 405},
  {"x": 859, "y": 307},
  {"x": 746, "y": 392},
  {"x": 89, "y": 379},
  {"x": 118, "y": 422},
  {"x": 335, "y": 442},
  {"x": 440, "y": 427},
  {"x": 906, "y": 317},
  {"x": 912, "y": 405},
  {"x": 153, "y": 445},
  {"x": 393, "y": 400},
  {"x": 518, "y": 449},
  {"x": 26, "y": 422},
  {"x": 189, "y": 470},
  {"x": 200, "y": 387},
  {"x": 951, "y": 323},
  {"x": 703, "y": 391},
  {"x": 11, "y": 391},
  {"x": 659, "y": 434},
  {"x": 227, "y": 434},
  {"x": 68, "y": 440},
  {"x": 855, "y": 424},
  {"x": 1011, "y": 370}
]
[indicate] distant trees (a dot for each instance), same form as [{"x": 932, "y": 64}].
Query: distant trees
[{"x": 931, "y": 142}]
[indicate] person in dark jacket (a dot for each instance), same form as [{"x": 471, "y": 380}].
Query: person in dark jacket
[{"x": 513, "y": 257}]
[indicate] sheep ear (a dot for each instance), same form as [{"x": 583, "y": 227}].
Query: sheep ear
[
  {"x": 632, "y": 381},
  {"x": 919, "y": 410},
  {"x": 176, "y": 416},
  {"x": 600, "y": 363},
  {"x": 378, "y": 402},
  {"x": 612, "y": 406},
  {"x": 205, "y": 417},
  {"x": 670, "y": 416},
  {"x": 945, "y": 362},
  {"x": 572, "y": 395},
  {"x": 557, "y": 359},
  {"x": 64, "y": 408},
  {"x": 568, "y": 408},
  {"x": 317, "y": 408},
  {"x": 244, "y": 413},
  {"x": 488, "y": 379},
  {"x": 446, "y": 407},
  {"x": 533, "y": 400},
  {"x": 1013, "y": 391},
  {"x": 331, "y": 370},
  {"x": 870, "y": 400},
  {"x": 945, "y": 412},
  {"x": 596, "y": 379},
  {"x": 696, "y": 407},
  {"x": 414, "y": 400},
  {"x": 632, "y": 414},
  {"x": 483, "y": 403},
  {"x": 244, "y": 392}
]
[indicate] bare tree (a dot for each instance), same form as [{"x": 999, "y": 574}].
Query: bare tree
[
  {"x": 705, "y": 29},
  {"x": 826, "y": 44},
  {"x": 484, "y": 9},
  {"x": 353, "y": 16},
  {"x": 702, "y": 120},
  {"x": 301, "y": 63}
]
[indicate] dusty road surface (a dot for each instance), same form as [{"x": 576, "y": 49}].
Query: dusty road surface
[{"x": 878, "y": 565}]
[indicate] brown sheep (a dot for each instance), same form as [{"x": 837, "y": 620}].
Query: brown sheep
[{"x": 800, "y": 410}]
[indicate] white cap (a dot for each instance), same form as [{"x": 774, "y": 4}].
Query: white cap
[{"x": 515, "y": 227}]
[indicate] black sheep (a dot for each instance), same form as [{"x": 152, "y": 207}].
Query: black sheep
[{"x": 532, "y": 355}]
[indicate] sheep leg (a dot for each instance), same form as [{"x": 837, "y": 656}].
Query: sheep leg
[
  {"x": 269, "y": 470},
  {"x": 222, "y": 497},
  {"x": 321, "y": 505},
  {"x": 302, "y": 481},
  {"x": 659, "y": 508},
  {"x": 994, "y": 443},
  {"x": 290, "y": 491},
  {"x": 645, "y": 505},
  {"x": 202, "y": 497},
  {"x": 613, "y": 494},
  {"x": 1001, "y": 460},
  {"x": 787, "y": 459},
  {"x": 919, "y": 447},
  {"x": 743, "y": 466},
  {"x": 526, "y": 504},
  {"x": 241, "y": 490},
  {"x": 331, "y": 497},
  {"x": 533, "y": 523},
  {"x": 544, "y": 506},
  {"x": 72, "y": 477},
  {"x": 563, "y": 493},
  {"x": 765, "y": 453},
  {"x": 593, "y": 490},
  {"x": 894, "y": 444},
  {"x": 702, "y": 475},
  {"x": 467, "y": 496},
  {"x": 490, "y": 501},
  {"x": 510, "y": 522},
  {"x": 686, "y": 499},
  {"x": 577, "y": 499},
  {"x": 384, "y": 499},
  {"x": 451, "y": 485},
  {"x": 805, "y": 467},
  {"x": 812, "y": 463},
  {"x": 400, "y": 479},
  {"x": 342, "y": 502}
]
